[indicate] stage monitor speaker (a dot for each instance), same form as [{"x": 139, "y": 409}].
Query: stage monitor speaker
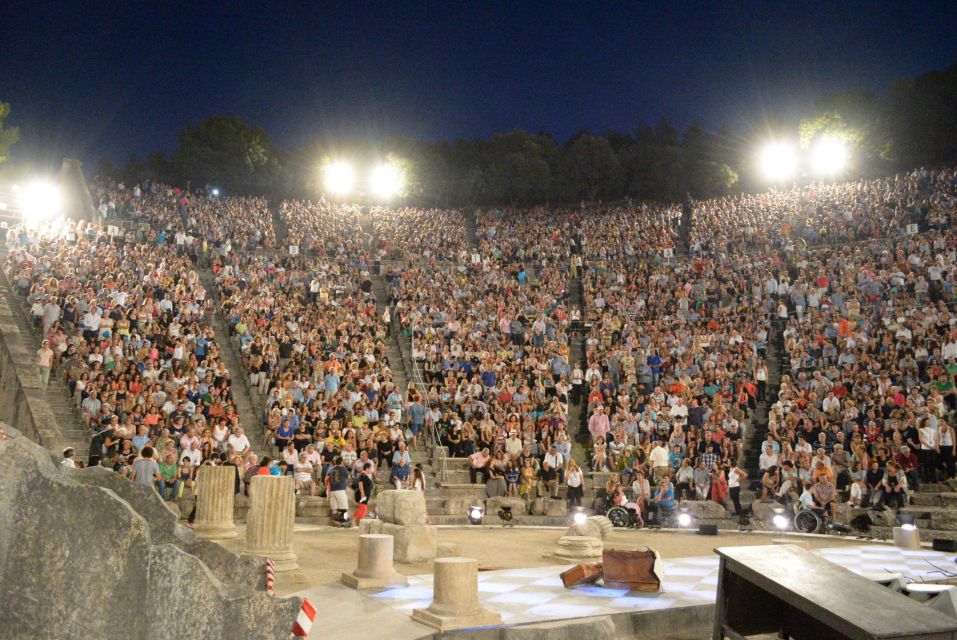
[
  {"x": 943, "y": 544},
  {"x": 707, "y": 529}
]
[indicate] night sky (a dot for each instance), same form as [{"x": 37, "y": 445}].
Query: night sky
[{"x": 96, "y": 79}]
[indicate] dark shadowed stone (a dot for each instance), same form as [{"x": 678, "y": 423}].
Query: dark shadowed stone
[{"x": 79, "y": 561}]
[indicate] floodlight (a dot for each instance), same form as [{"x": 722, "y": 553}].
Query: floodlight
[
  {"x": 40, "y": 201},
  {"x": 386, "y": 180},
  {"x": 580, "y": 517},
  {"x": 778, "y": 161},
  {"x": 829, "y": 156},
  {"x": 684, "y": 520},
  {"x": 215, "y": 192},
  {"x": 339, "y": 178},
  {"x": 780, "y": 521},
  {"x": 475, "y": 514}
]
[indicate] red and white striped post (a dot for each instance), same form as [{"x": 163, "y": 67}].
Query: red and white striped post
[
  {"x": 270, "y": 577},
  {"x": 304, "y": 621}
]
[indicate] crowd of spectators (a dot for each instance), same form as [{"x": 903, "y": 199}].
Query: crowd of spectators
[
  {"x": 858, "y": 280},
  {"x": 125, "y": 325}
]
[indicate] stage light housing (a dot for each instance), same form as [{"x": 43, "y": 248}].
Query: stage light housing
[
  {"x": 829, "y": 156},
  {"x": 505, "y": 513},
  {"x": 475, "y": 514},
  {"x": 339, "y": 178},
  {"x": 778, "y": 161}
]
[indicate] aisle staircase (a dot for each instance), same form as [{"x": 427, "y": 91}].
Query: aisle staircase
[
  {"x": 759, "y": 419},
  {"x": 250, "y": 404},
  {"x": 23, "y": 340},
  {"x": 279, "y": 227},
  {"x": 471, "y": 228}
]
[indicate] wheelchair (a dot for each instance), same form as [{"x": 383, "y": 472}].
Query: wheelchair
[
  {"x": 816, "y": 520},
  {"x": 621, "y": 516}
]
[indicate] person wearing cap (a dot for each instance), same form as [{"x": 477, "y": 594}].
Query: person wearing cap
[{"x": 68, "y": 460}]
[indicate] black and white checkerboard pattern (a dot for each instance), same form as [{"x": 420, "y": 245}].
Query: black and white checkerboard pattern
[{"x": 537, "y": 594}]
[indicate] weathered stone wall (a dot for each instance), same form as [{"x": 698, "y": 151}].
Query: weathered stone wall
[
  {"x": 21, "y": 404},
  {"x": 89, "y": 556}
]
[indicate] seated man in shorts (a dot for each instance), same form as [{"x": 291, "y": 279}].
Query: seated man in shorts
[{"x": 302, "y": 474}]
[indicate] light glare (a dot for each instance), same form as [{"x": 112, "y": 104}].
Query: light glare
[
  {"x": 684, "y": 519},
  {"x": 339, "y": 178},
  {"x": 386, "y": 180},
  {"x": 829, "y": 156},
  {"x": 580, "y": 518},
  {"x": 40, "y": 201},
  {"x": 778, "y": 161},
  {"x": 781, "y": 522}
]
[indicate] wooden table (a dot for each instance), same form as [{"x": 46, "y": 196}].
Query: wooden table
[{"x": 786, "y": 590}]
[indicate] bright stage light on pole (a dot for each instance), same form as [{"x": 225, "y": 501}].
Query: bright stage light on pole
[
  {"x": 829, "y": 156},
  {"x": 386, "y": 180},
  {"x": 778, "y": 161},
  {"x": 339, "y": 178},
  {"x": 40, "y": 201}
]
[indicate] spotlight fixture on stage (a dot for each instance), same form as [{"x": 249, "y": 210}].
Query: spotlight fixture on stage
[
  {"x": 505, "y": 513},
  {"x": 476, "y": 513},
  {"x": 579, "y": 516},
  {"x": 780, "y": 521},
  {"x": 684, "y": 519}
]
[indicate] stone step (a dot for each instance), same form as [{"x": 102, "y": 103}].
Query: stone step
[{"x": 926, "y": 534}]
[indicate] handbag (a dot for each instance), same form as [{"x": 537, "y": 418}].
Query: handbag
[{"x": 632, "y": 570}]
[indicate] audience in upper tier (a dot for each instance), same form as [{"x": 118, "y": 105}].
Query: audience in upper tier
[{"x": 653, "y": 343}]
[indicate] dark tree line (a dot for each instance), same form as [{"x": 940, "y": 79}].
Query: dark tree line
[{"x": 914, "y": 123}]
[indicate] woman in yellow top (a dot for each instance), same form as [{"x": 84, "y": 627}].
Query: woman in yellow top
[{"x": 526, "y": 487}]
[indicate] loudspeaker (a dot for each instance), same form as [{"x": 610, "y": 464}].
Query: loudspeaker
[
  {"x": 707, "y": 529},
  {"x": 943, "y": 544}
]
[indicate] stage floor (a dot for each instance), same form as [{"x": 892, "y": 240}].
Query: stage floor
[{"x": 524, "y": 596}]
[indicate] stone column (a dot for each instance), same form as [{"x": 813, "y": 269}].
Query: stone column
[
  {"x": 214, "y": 503},
  {"x": 375, "y": 568},
  {"x": 272, "y": 513},
  {"x": 455, "y": 602}
]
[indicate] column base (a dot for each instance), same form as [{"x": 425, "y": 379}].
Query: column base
[
  {"x": 378, "y": 582},
  {"x": 481, "y": 618},
  {"x": 215, "y": 531},
  {"x": 285, "y": 560}
]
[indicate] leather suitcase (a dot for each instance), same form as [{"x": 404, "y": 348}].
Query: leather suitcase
[
  {"x": 584, "y": 573},
  {"x": 632, "y": 570}
]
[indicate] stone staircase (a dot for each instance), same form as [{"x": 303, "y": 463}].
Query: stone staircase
[
  {"x": 250, "y": 405},
  {"x": 759, "y": 418},
  {"x": 279, "y": 227},
  {"x": 400, "y": 361},
  {"x": 23, "y": 343},
  {"x": 934, "y": 509},
  {"x": 471, "y": 228}
]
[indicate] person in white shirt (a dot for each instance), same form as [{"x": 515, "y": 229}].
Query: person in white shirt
[
  {"x": 556, "y": 461},
  {"x": 238, "y": 441},
  {"x": 302, "y": 474},
  {"x": 659, "y": 461},
  {"x": 767, "y": 459},
  {"x": 735, "y": 476},
  {"x": 929, "y": 447},
  {"x": 68, "y": 458}
]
